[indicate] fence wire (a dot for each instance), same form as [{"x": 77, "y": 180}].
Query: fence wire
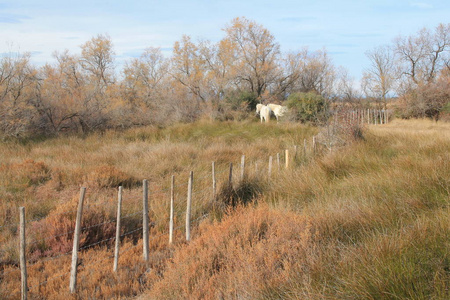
[{"x": 86, "y": 228}]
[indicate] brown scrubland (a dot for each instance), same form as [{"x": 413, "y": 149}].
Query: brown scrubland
[{"x": 367, "y": 220}]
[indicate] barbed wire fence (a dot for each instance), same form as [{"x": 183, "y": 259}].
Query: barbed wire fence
[{"x": 274, "y": 165}]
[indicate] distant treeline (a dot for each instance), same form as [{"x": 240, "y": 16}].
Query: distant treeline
[{"x": 84, "y": 92}]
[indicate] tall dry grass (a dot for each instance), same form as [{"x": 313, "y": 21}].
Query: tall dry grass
[
  {"x": 379, "y": 211},
  {"x": 367, "y": 221},
  {"x": 45, "y": 177}
]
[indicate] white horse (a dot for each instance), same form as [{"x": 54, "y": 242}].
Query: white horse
[
  {"x": 258, "y": 108},
  {"x": 264, "y": 112},
  {"x": 278, "y": 110}
]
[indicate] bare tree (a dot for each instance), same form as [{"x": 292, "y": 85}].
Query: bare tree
[
  {"x": 257, "y": 53},
  {"x": 17, "y": 81},
  {"x": 379, "y": 78},
  {"x": 423, "y": 55},
  {"x": 145, "y": 75},
  {"x": 60, "y": 94},
  {"x": 219, "y": 60},
  {"x": 188, "y": 67},
  {"x": 97, "y": 58},
  {"x": 345, "y": 88},
  {"x": 144, "y": 87}
]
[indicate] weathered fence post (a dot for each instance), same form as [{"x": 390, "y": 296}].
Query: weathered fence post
[
  {"x": 286, "y": 157},
  {"x": 314, "y": 145},
  {"x": 117, "y": 245},
  {"x": 270, "y": 166},
  {"x": 188, "y": 207},
  {"x": 242, "y": 168},
  {"x": 214, "y": 184},
  {"x": 145, "y": 220},
  {"x": 23, "y": 260},
  {"x": 172, "y": 200},
  {"x": 76, "y": 240},
  {"x": 278, "y": 161}
]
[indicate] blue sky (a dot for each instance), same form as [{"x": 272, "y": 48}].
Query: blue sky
[{"x": 346, "y": 29}]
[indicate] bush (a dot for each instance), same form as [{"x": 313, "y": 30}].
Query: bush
[
  {"x": 307, "y": 107},
  {"x": 242, "y": 100},
  {"x": 426, "y": 101}
]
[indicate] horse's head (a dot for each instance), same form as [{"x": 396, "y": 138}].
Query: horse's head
[{"x": 258, "y": 108}]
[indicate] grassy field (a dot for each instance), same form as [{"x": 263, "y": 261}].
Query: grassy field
[{"x": 369, "y": 220}]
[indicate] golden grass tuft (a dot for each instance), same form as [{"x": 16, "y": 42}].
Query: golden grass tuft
[{"x": 110, "y": 177}]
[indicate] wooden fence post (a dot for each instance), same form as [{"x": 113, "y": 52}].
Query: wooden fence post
[
  {"x": 270, "y": 166},
  {"x": 117, "y": 245},
  {"x": 188, "y": 207},
  {"x": 242, "y": 168},
  {"x": 76, "y": 240},
  {"x": 172, "y": 200},
  {"x": 278, "y": 161},
  {"x": 314, "y": 145},
  {"x": 23, "y": 260},
  {"x": 214, "y": 184},
  {"x": 145, "y": 220},
  {"x": 286, "y": 158}
]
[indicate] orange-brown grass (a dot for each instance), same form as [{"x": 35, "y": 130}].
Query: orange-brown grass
[
  {"x": 369, "y": 220},
  {"x": 245, "y": 255},
  {"x": 49, "y": 279},
  {"x": 45, "y": 177}
]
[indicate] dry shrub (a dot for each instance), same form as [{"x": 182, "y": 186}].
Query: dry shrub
[
  {"x": 27, "y": 173},
  {"x": 54, "y": 234},
  {"x": 251, "y": 252},
  {"x": 110, "y": 176},
  {"x": 241, "y": 194},
  {"x": 49, "y": 279},
  {"x": 341, "y": 131}
]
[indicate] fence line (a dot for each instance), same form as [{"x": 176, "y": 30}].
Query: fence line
[
  {"x": 154, "y": 192},
  {"x": 126, "y": 250},
  {"x": 145, "y": 227},
  {"x": 363, "y": 116}
]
